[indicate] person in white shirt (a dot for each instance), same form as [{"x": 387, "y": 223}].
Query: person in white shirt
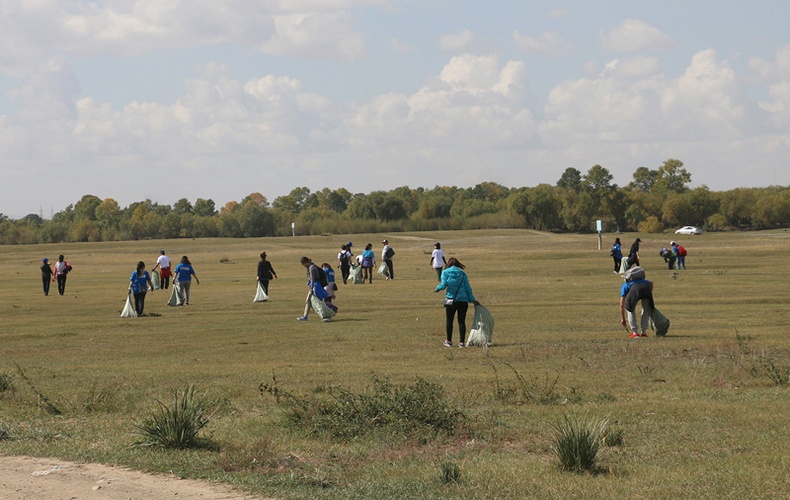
[
  {"x": 163, "y": 263},
  {"x": 437, "y": 260}
]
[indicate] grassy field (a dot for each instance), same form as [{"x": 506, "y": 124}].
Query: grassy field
[{"x": 703, "y": 412}]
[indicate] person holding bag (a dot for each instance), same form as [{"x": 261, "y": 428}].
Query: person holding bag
[
  {"x": 139, "y": 283},
  {"x": 457, "y": 297}
]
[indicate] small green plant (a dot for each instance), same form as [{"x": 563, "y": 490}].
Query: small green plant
[
  {"x": 614, "y": 436},
  {"x": 6, "y": 383},
  {"x": 576, "y": 442},
  {"x": 450, "y": 472},
  {"x": 176, "y": 426},
  {"x": 48, "y": 406},
  {"x": 534, "y": 390}
]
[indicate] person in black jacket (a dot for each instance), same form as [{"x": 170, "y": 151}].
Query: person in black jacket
[
  {"x": 265, "y": 272},
  {"x": 46, "y": 275},
  {"x": 633, "y": 255}
]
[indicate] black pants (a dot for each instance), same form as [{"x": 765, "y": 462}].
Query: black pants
[
  {"x": 344, "y": 271},
  {"x": 45, "y": 280},
  {"x": 61, "y": 283},
  {"x": 389, "y": 268},
  {"x": 460, "y": 308},
  {"x": 617, "y": 262},
  {"x": 139, "y": 303},
  {"x": 265, "y": 285}
]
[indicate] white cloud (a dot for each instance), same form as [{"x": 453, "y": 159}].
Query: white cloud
[
  {"x": 550, "y": 43},
  {"x": 634, "y": 35},
  {"x": 457, "y": 41}
]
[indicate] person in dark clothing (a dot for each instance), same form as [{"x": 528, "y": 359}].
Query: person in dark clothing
[
  {"x": 386, "y": 256},
  {"x": 46, "y": 275},
  {"x": 265, "y": 272},
  {"x": 669, "y": 257},
  {"x": 633, "y": 254},
  {"x": 62, "y": 268},
  {"x": 344, "y": 261},
  {"x": 633, "y": 293}
]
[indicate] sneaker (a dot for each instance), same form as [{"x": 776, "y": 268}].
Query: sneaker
[
  {"x": 460, "y": 344},
  {"x": 301, "y": 318},
  {"x": 634, "y": 336},
  {"x": 327, "y": 319},
  {"x": 447, "y": 343},
  {"x": 643, "y": 335}
]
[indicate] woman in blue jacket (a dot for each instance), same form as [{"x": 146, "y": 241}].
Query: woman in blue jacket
[
  {"x": 617, "y": 254},
  {"x": 183, "y": 277},
  {"x": 139, "y": 283},
  {"x": 458, "y": 295}
]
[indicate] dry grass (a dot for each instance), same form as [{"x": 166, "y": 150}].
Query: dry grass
[{"x": 700, "y": 412}]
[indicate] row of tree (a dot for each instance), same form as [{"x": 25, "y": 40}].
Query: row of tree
[{"x": 654, "y": 200}]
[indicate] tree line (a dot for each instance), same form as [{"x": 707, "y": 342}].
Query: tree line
[{"x": 654, "y": 200}]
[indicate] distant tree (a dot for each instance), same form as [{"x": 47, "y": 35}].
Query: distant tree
[
  {"x": 673, "y": 177},
  {"x": 256, "y": 198},
  {"x": 204, "y": 208},
  {"x": 182, "y": 206},
  {"x": 570, "y": 179},
  {"x": 294, "y": 201},
  {"x": 86, "y": 207},
  {"x": 644, "y": 179}
]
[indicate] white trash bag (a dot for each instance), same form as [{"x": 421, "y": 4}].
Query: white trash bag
[
  {"x": 482, "y": 329},
  {"x": 260, "y": 295},
  {"x": 383, "y": 269},
  {"x": 128, "y": 309},
  {"x": 320, "y": 307},
  {"x": 175, "y": 296},
  {"x": 157, "y": 283}
]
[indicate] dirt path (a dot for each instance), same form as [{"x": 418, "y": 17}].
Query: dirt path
[{"x": 26, "y": 478}]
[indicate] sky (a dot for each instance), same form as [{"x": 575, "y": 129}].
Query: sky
[{"x": 172, "y": 99}]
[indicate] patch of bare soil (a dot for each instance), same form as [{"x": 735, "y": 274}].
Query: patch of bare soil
[{"x": 27, "y": 478}]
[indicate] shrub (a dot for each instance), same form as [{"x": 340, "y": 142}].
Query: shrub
[
  {"x": 650, "y": 225},
  {"x": 6, "y": 384},
  {"x": 577, "y": 441},
  {"x": 417, "y": 409},
  {"x": 176, "y": 426},
  {"x": 450, "y": 472}
]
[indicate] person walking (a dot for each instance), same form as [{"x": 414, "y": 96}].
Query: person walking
[
  {"x": 46, "y": 275},
  {"x": 368, "y": 263},
  {"x": 62, "y": 268},
  {"x": 457, "y": 297},
  {"x": 633, "y": 255},
  {"x": 438, "y": 262},
  {"x": 314, "y": 287},
  {"x": 386, "y": 256},
  {"x": 163, "y": 263},
  {"x": 139, "y": 283},
  {"x": 617, "y": 255},
  {"x": 331, "y": 286},
  {"x": 636, "y": 290},
  {"x": 681, "y": 253},
  {"x": 183, "y": 278},
  {"x": 344, "y": 261},
  {"x": 265, "y": 272}
]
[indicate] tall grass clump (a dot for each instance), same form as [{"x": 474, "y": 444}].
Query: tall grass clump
[
  {"x": 6, "y": 384},
  {"x": 449, "y": 472},
  {"x": 176, "y": 426},
  {"x": 576, "y": 442},
  {"x": 419, "y": 409}
]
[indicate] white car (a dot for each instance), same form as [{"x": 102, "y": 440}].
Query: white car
[{"x": 689, "y": 230}]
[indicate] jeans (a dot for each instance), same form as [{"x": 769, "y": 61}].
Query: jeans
[
  {"x": 61, "y": 283},
  {"x": 460, "y": 308},
  {"x": 46, "y": 281},
  {"x": 139, "y": 303}
]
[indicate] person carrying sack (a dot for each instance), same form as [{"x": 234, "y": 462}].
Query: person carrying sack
[{"x": 457, "y": 297}]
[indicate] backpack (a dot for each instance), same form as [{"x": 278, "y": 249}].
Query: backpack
[
  {"x": 344, "y": 257},
  {"x": 389, "y": 253},
  {"x": 634, "y": 273},
  {"x": 611, "y": 252},
  {"x": 681, "y": 251},
  {"x": 322, "y": 277}
]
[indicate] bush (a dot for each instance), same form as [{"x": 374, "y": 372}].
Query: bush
[
  {"x": 418, "y": 409},
  {"x": 6, "y": 384},
  {"x": 450, "y": 473},
  {"x": 650, "y": 225},
  {"x": 577, "y": 441},
  {"x": 176, "y": 426}
]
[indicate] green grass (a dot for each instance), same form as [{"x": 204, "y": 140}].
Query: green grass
[{"x": 701, "y": 413}]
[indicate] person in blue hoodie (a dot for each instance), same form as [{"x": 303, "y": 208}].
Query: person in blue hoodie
[
  {"x": 139, "y": 283},
  {"x": 617, "y": 254},
  {"x": 457, "y": 297}
]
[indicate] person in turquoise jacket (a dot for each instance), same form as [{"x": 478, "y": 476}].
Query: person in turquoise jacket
[{"x": 458, "y": 295}]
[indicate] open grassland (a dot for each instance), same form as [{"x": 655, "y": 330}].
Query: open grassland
[{"x": 703, "y": 412}]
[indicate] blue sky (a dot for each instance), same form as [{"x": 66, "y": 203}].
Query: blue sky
[{"x": 170, "y": 99}]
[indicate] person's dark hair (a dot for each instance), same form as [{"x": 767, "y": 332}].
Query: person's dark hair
[
  {"x": 263, "y": 255},
  {"x": 638, "y": 240},
  {"x": 60, "y": 257},
  {"x": 162, "y": 252},
  {"x": 304, "y": 259},
  {"x": 326, "y": 265},
  {"x": 343, "y": 247},
  {"x": 617, "y": 240},
  {"x": 438, "y": 245},
  {"x": 185, "y": 260},
  {"x": 368, "y": 246},
  {"x": 455, "y": 262},
  {"x": 140, "y": 266}
]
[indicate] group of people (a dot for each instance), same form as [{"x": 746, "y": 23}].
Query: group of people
[
  {"x": 58, "y": 273},
  {"x": 637, "y": 290},
  {"x": 140, "y": 282}
]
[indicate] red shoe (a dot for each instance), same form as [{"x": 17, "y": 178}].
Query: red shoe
[
  {"x": 643, "y": 335},
  {"x": 634, "y": 336}
]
